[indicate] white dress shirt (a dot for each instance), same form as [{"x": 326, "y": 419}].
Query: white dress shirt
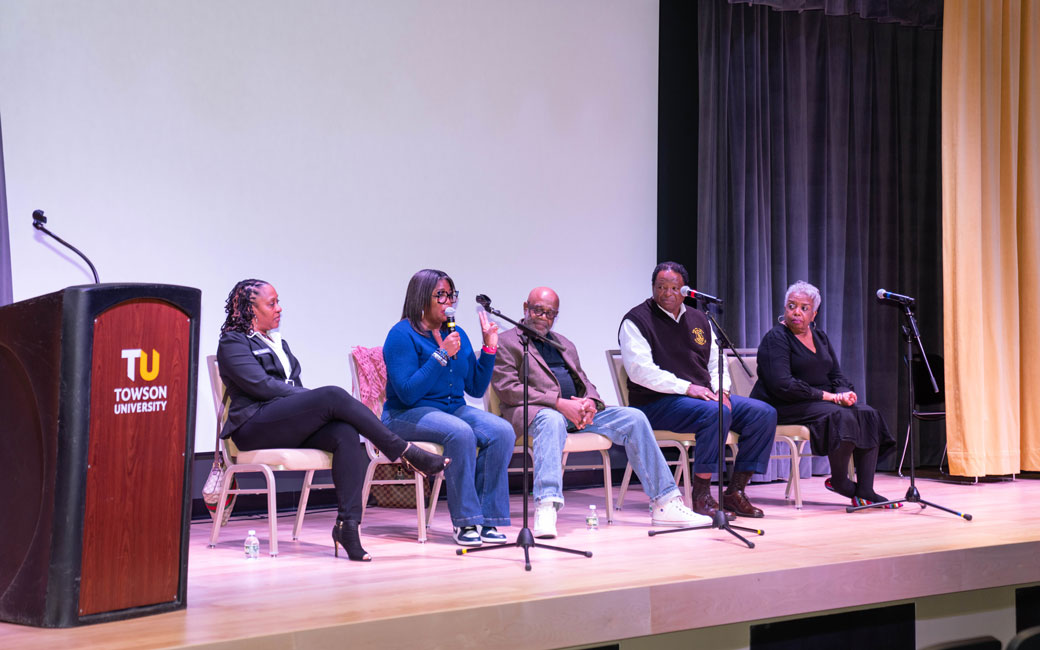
[
  {"x": 638, "y": 358},
  {"x": 274, "y": 341}
]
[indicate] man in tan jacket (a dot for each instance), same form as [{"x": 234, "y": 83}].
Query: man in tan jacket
[{"x": 563, "y": 400}]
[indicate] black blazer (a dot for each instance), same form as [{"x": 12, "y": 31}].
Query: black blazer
[{"x": 253, "y": 376}]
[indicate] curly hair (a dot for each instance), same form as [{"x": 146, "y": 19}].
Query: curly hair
[
  {"x": 803, "y": 287},
  {"x": 239, "y": 306}
]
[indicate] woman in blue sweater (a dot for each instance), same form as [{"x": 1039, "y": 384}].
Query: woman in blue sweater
[{"x": 428, "y": 366}]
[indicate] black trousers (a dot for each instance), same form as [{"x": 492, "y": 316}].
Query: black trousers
[{"x": 325, "y": 418}]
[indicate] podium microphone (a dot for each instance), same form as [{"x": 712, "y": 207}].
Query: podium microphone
[
  {"x": 484, "y": 302},
  {"x": 39, "y": 219},
  {"x": 450, "y": 313},
  {"x": 691, "y": 293},
  {"x": 894, "y": 298}
]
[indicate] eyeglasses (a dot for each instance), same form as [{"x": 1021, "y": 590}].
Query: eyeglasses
[
  {"x": 446, "y": 296},
  {"x": 549, "y": 314}
]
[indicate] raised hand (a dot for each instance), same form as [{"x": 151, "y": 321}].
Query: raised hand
[{"x": 489, "y": 329}]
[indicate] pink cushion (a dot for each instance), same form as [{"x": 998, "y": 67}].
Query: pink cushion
[{"x": 371, "y": 371}]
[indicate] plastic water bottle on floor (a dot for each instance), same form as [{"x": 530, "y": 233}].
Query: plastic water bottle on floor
[
  {"x": 592, "y": 519},
  {"x": 252, "y": 546}
]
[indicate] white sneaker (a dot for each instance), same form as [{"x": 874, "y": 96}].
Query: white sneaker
[
  {"x": 545, "y": 520},
  {"x": 675, "y": 513}
]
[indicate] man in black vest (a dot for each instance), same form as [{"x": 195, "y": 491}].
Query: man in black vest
[{"x": 672, "y": 358}]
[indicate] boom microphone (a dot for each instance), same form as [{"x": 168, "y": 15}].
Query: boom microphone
[
  {"x": 691, "y": 293},
  {"x": 484, "y": 301},
  {"x": 894, "y": 298}
]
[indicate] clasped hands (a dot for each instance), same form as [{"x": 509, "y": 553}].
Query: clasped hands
[
  {"x": 847, "y": 398},
  {"x": 578, "y": 410}
]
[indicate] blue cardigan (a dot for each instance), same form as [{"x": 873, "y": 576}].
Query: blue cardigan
[{"x": 414, "y": 378}]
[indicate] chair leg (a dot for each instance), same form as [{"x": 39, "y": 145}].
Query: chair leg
[
  {"x": 218, "y": 516},
  {"x": 434, "y": 496},
  {"x": 793, "y": 478},
  {"x": 624, "y": 486},
  {"x": 366, "y": 487},
  {"x": 420, "y": 507},
  {"x": 906, "y": 443},
  {"x": 687, "y": 476},
  {"x": 608, "y": 484},
  {"x": 272, "y": 508},
  {"x": 301, "y": 509},
  {"x": 435, "y": 493}
]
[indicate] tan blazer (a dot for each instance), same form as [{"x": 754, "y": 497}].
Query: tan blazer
[{"x": 543, "y": 390}]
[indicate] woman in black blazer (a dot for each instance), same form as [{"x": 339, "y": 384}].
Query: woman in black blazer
[{"x": 270, "y": 408}]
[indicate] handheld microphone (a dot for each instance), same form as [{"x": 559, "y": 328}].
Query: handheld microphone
[
  {"x": 894, "y": 298},
  {"x": 691, "y": 293},
  {"x": 450, "y": 313}
]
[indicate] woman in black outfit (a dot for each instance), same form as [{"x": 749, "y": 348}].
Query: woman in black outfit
[
  {"x": 798, "y": 373},
  {"x": 270, "y": 408}
]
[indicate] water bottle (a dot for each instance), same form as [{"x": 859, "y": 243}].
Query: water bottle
[
  {"x": 592, "y": 519},
  {"x": 252, "y": 546}
]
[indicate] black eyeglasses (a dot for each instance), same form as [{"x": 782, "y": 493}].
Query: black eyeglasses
[
  {"x": 550, "y": 314},
  {"x": 446, "y": 296}
]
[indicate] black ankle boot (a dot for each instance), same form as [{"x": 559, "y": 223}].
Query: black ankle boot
[
  {"x": 346, "y": 533},
  {"x": 419, "y": 460}
]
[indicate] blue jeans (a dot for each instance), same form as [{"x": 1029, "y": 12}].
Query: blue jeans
[
  {"x": 753, "y": 420},
  {"x": 480, "y": 446},
  {"x": 624, "y": 426}
]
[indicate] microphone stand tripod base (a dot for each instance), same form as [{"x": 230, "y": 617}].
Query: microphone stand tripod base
[
  {"x": 719, "y": 522},
  {"x": 524, "y": 540},
  {"x": 912, "y": 496}
]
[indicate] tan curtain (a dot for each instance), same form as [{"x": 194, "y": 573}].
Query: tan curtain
[{"x": 991, "y": 234}]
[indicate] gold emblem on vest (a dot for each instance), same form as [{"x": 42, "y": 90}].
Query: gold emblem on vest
[{"x": 698, "y": 336}]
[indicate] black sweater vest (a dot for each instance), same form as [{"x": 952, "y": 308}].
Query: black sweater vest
[{"x": 682, "y": 348}]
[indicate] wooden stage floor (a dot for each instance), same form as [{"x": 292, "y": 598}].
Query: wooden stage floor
[{"x": 413, "y": 595}]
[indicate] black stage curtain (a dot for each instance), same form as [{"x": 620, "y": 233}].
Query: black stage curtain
[{"x": 817, "y": 159}]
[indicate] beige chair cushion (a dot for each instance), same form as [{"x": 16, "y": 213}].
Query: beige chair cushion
[
  {"x": 796, "y": 431},
  {"x": 662, "y": 434},
  {"x": 578, "y": 442},
  {"x": 287, "y": 459}
]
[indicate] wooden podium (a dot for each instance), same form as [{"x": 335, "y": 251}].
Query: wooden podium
[{"x": 97, "y": 396}]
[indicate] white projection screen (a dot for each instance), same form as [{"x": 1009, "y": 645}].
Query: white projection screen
[{"x": 333, "y": 148}]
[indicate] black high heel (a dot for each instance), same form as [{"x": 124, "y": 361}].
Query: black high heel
[
  {"x": 346, "y": 533},
  {"x": 417, "y": 459}
]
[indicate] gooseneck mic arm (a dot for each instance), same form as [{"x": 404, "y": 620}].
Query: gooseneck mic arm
[{"x": 39, "y": 220}]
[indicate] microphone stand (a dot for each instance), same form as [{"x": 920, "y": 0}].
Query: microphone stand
[
  {"x": 525, "y": 538},
  {"x": 39, "y": 220},
  {"x": 911, "y": 335},
  {"x": 719, "y": 520}
]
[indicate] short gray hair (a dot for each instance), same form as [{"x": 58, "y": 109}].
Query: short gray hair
[{"x": 804, "y": 287}]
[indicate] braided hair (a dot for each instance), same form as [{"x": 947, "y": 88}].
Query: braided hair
[{"x": 239, "y": 306}]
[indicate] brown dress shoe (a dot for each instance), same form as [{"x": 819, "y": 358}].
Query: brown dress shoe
[
  {"x": 738, "y": 503},
  {"x": 703, "y": 502},
  {"x": 734, "y": 498}
]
